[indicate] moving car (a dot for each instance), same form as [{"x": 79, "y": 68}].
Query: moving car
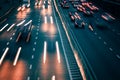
[{"x": 79, "y": 23}]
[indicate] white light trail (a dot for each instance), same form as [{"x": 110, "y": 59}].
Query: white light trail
[
  {"x": 28, "y": 23},
  {"x": 58, "y": 52},
  {"x": 10, "y": 27},
  {"x": 45, "y": 19},
  {"x": 45, "y": 49},
  {"x": 51, "y": 19},
  {"x": 17, "y": 56},
  {"x": 4, "y": 54},
  {"x": 21, "y": 23},
  {"x": 3, "y": 28}
]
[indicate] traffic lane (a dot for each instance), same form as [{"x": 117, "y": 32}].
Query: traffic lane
[{"x": 88, "y": 41}]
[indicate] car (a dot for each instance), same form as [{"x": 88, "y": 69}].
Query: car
[
  {"x": 37, "y": 3},
  {"x": 79, "y": 23},
  {"x": 80, "y": 8},
  {"x": 24, "y": 32},
  {"x": 107, "y": 17},
  {"x": 88, "y": 13},
  {"x": 74, "y": 15}
]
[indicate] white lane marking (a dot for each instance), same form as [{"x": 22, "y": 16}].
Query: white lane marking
[
  {"x": 11, "y": 38},
  {"x": 95, "y": 33},
  {"x": 110, "y": 49},
  {"x": 38, "y": 78},
  {"x": 58, "y": 52},
  {"x": 36, "y": 37},
  {"x": 21, "y": 23},
  {"x": 118, "y": 33},
  {"x": 8, "y": 43},
  {"x": 3, "y": 56},
  {"x": 53, "y": 77},
  {"x": 32, "y": 56},
  {"x": 37, "y": 29},
  {"x": 28, "y": 78},
  {"x": 45, "y": 19},
  {"x": 99, "y": 37},
  {"x": 35, "y": 43},
  {"x": 33, "y": 49},
  {"x": 3, "y": 27},
  {"x": 105, "y": 42},
  {"x": 17, "y": 56},
  {"x": 45, "y": 53},
  {"x": 13, "y": 34},
  {"x": 118, "y": 56},
  {"x": 10, "y": 27},
  {"x": 30, "y": 66},
  {"x": 51, "y": 19},
  {"x": 36, "y": 33},
  {"x": 28, "y": 23}
]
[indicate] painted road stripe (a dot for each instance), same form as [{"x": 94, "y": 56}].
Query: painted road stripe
[
  {"x": 45, "y": 53},
  {"x": 4, "y": 54},
  {"x": 58, "y": 52},
  {"x": 10, "y": 27},
  {"x": 3, "y": 27},
  {"x": 17, "y": 56},
  {"x": 18, "y": 36},
  {"x": 53, "y": 77},
  {"x": 45, "y": 19}
]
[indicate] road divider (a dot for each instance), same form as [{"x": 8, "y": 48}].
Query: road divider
[
  {"x": 17, "y": 56},
  {"x": 4, "y": 54}
]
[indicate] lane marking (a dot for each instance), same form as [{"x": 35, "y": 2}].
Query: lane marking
[
  {"x": 8, "y": 43},
  {"x": 45, "y": 19},
  {"x": 110, "y": 49},
  {"x": 36, "y": 37},
  {"x": 105, "y": 42},
  {"x": 28, "y": 78},
  {"x": 30, "y": 66},
  {"x": 95, "y": 33},
  {"x": 53, "y": 77},
  {"x": 45, "y": 53},
  {"x": 38, "y": 78},
  {"x": 4, "y": 54},
  {"x": 35, "y": 43},
  {"x": 11, "y": 38},
  {"x": 13, "y": 34},
  {"x": 17, "y": 56},
  {"x": 3, "y": 27},
  {"x": 58, "y": 52},
  {"x": 118, "y": 56},
  {"x": 21, "y": 23},
  {"x": 36, "y": 33},
  {"x": 10, "y": 27},
  {"x": 33, "y": 49},
  {"x": 51, "y": 19},
  {"x": 99, "y": 37},
  {"x": 32, "y": 56}
]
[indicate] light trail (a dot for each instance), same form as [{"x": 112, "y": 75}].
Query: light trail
[
  {"x": 53, "y": 77},
  {"x": 58, "y": 52},
  {"x": 4, "y": 54},
  {"x": 10, "y": 27},
  {"x": 45, "y": 19},
  {"x": 51, "y": 19},
  {"x": 3, "y": 27},
  {"x": 45, "y": 49},
  {"x": 28, "y": 23},
  {"x": 17, "y": 56},
  {"x": 21, "y": 23}
]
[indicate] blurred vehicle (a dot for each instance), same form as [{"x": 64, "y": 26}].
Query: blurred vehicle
[
  {"x": 107, "y": 17},
  {"x": 80, "y": 8},
  {"x": 79, "y": 23},
  {"x": 37, "y": 3},
  {"x": 74, "y": 15},
  {"x": 24, "y": 32},
  {"x": 26, "y": 4},
  {"x": 64, "y": 4}
]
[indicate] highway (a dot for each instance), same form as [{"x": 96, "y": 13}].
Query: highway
[{"x": 42, "y": 43}]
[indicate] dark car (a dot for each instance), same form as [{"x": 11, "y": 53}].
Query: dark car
[{"x": 79, "y": 23}]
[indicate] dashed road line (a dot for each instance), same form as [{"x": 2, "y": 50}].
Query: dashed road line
[
  {"x": 28, "y": 78},
  {"x": 110, "y": 49},
  {"x": 99, "y": 37},
  {"x": 33, "y": 49},
  {"x": 36, "y": 37},
  {"x": 38, "y": 78},
  {"x": 30, "y": 67},
  {"x": 8, "y": 43},
  {"x": 118, "y": 56},
  {"x": 105, "y": 43},
  {"x": 35, "y": 43},
  {"x": 10, "y": 38}
]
